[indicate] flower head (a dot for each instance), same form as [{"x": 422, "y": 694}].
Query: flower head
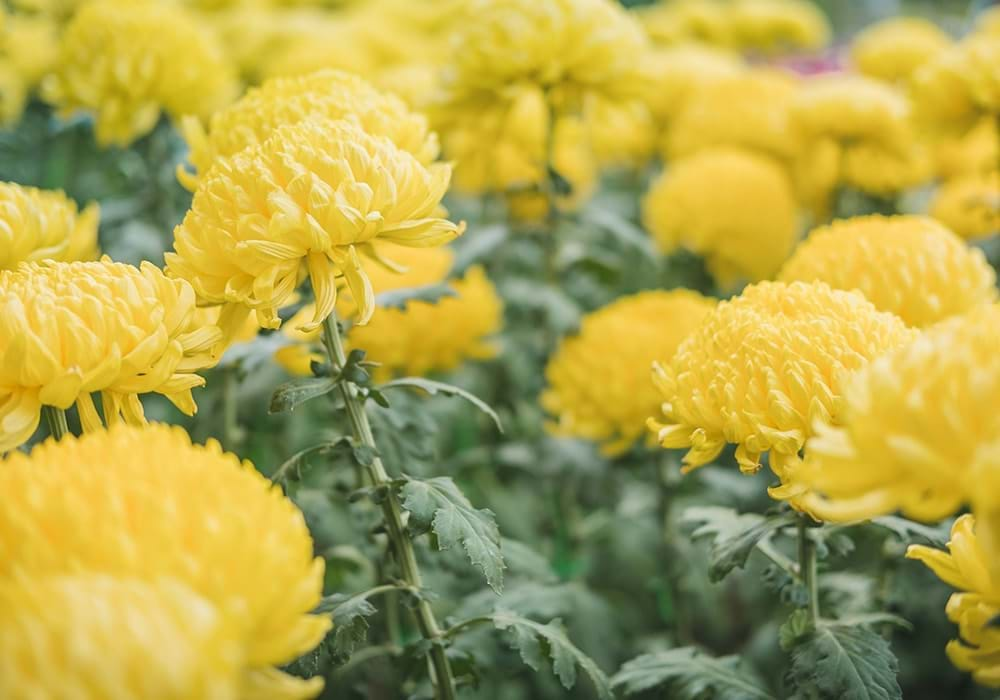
[
  {"x": 421, "y": 337},
  {"x": 969, "y": 205},
  {"x": 973, "y": 152},
  {"x": 913, "y": 435},
  {"x": 960, "y": 85},
  {"x": 146, "y": 504},
  {"x": 128, "y": 61},
  {"x": 778, "y": 25},
  {"x": 44, "y": 225},
  {"x": 970, "y": 566},
  {"x": 70, "y": 329},
  {"x": 748, "y": 110},
  {"x": 733, "y": 207},
  {"x": 893, "y": 49},
  {"x": 307, "y": 200},
  {"x": 851, "y": 109},
  {"x": 673, "y": 74},
  {"x": 687, "y": 21},
  {"x": 121, "y": 637},
  {"x": 911, "y": 266},
  {"x": 599, "y": 386},
  {"x": 282, "y": 101},
  {"x": 764, "y": 367}
]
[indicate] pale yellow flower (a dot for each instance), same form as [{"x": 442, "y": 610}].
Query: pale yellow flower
[
  {"x": 146, "y": 504},
  {"x": 672, "y": 75},
  {"x": 44, "y": 225},
  {"x": 914, "y": 434},
  {"x": 893, "y": 49},
  {"x": 974, "y": 152},
  {"x": 960, "y": 85},
  {"x": 773, "y": 26},
  {"x": 733, "y": 207},
  {"x": 969, "y": 205},
  {"x": 598, "y": 379},
  {"x": 764, "y": 368},
  {"x": 70, "y": 329},
  {"x": 683, "y": 21},
  {"x": 310, "y": 199}
]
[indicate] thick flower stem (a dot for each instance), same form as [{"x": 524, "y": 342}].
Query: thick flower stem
[
  {"x": 807, "y": 567},
  {"x": 444, "y": 682},
  {"x": 55, "y": 418}
]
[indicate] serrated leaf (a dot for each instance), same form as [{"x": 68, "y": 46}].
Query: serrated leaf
[
  {"x": 291, "y": 468},
  {"x": 687, "y": 673},
  {"x": 350, "y": 622},
  {"x": 910, "y": 532},
  {"x": 399, "y": 298},
  {"x": 734, "y": 535},
  {"x": 440, "y": 505},
  {"x": 844, "y": 662},
  {"x": 293, "y": 394},
  {"x": 432, "y": 387},
  {"x": 873, "y": 618},
  {"x": 535, "y": 640}
]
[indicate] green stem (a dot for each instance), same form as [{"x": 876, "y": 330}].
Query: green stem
[
  {"x": 807, "y": 568},
  {"x": 444, "y": 683},
  {"x": 55, "y": 418}
]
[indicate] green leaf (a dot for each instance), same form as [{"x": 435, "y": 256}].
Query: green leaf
[
  {"x": 622, "y": 229},
  {"x": 432, "y": 387},
  {"x": 477, "y": 245},
  {"x": 910, "y": 532},
  {"x": 734, "y": 535},
  {"x": 440, "y": 505},
  {"x": 291, "y": 395},
  {"x": 291, "y": 469},
  {"x": 430, "y": 293},
  {"x": 687, "y": 673},
  {"x": 523, "y": 561},
  {"x": 350, "y": 622},
  {"x": 873, "y": 618},
  {"x": 844, "y": 662},
  {"x": 534, "y": 641}
]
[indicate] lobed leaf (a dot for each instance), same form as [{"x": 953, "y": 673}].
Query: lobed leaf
[
  {"x": 686, "y": 673},
  {"x": 432, "y": 387},
  {"x": 844, "y": 661}
]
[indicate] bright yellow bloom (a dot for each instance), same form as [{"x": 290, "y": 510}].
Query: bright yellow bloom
[
  {"x": 885, "y": 171},
  {"x": 598, "y": 379},
  {"x": 144, "y": 503},
  {"x": 974, "y": 152},
  {"x": 911, "y": 266},
  {"x": 13, "y": 93},
  {"x": 282, "y": 101},
  {"x": 733, "y": 207},
  {"x": 422, "y": 337},
  {"x": 893, "y": 49},
  {"x": 916, "y": 430},
  {"x": 44, "y": 225},
  {"x": 569, "y": 48},
  {"x": 70, "y": 329},
  {"x": 30, "y": 43},
  {"x": 749, "y": 110},
  {"x": 764, "y": 367},
  {"x": 773, "y": 26},
  {"x": 307, "y": 200},
  {"x": 969, "y": 205},
  {"x": 682, "y": 21},
  {"x": 128, "y": 61},
  {"x": 960, "y": 85},
  {"x": 93, "y": 637},
  {"x": 621, "y": 134},
  {"x": 970, "y": 566},
  {"x": 672, "y": 75}
]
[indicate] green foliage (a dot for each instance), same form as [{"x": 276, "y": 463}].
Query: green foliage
[
  {"x": 687, "y": 673},
  {"x": 437, "y": 504},
  {"x": 399, "y": 298},
  {"x": 844, "y": 660},
  {"x": 432, "y": 387},
  {"x": 291, "y": 395},
  {"x": 734, "y": 535},
  {"x": 350, "y": 623}
]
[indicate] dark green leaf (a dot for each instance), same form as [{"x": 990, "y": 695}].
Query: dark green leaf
[
  {"x": 438, "y": 504},
  {"x": 432, "y": 387},
  {"x": 291, "y": 395},
  {"x": 399, "y": 298},
  {"x": 535, "y": 640},
  {"x": 734, "y": 535},
  {"x": 844, "y": 662},
  {"x": 910, "y": 532},
  {"x": 689, "y": 674},
  {"x": 291, "y": 468},
  {"x": 350, "y": 622}
]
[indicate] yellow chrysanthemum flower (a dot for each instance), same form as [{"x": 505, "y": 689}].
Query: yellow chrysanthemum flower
[
  {"x": 974, "y": 152},
  {"x": 44, "y": 225},
  {"x": 31, "y": 45},
  {"x": 914, "y": 432},
  {"x": 884, "y": 171},
  {"x": 599, "y": 386},
  {"x": 621, "y": 135},
  {"x": 92, "y": 637},
  {"x": 682, "y": 21},
  {"x": 911, "y": 266},
  {"x": 672, "y": 75},
  {"x": 749, "y": 110},
  {"x": 287, "y": 101},
  {"x": 773, "y": 26},
  {"x": 733, "y": 207},
  {"x": 70, "y": 329},
  {"x": 960, "y": 85},
  {"x": 128, "y": 61},
  {"x": 764, "y": 367},
  {"x": 970, "y": 566},
  {"x": 969, "y": 205},
  {"x": 306, "y": 200},
  {"x": 569, "y": 48},
  {"x": 422, "y": 337},
  {"x": 893, "y": 49},
  {"x": 144, "y": 503}
]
